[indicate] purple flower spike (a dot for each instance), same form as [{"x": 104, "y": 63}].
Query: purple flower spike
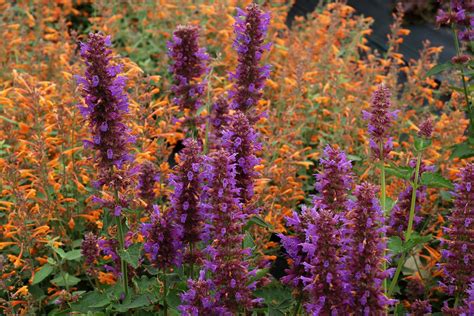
[
  {"x": 366, "y": 251},
  {"x": 335, "y": 180},
  {"x": 186, "y": 180},
  {"x": 250, "y": 29},
  {"x": 459, "y": 236},
  {"x": 420, "y": 308},
  {"x": 148, "y": 176},
  {"x": 241, "y": 139},
  {"x": 380, "y": 121},
  {"x": 90, "y": 251},
  {"x": 461, "y": 16},
  {"x": 188, "y": 65},
  {"x": 228, "y": 290},
  {"x": 326, "y": 285},
  {"x": 426, "y": 128},
  {"x": 106, "y": 104},
  {"x": 163, "y": 239},
  {"x": 219, "y": 119}
]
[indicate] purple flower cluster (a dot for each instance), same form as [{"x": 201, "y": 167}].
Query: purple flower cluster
[
  {"x": 335, "y": 180},
  {"x": 186, "y": 180},
  {"x": 198, "y": 299},
  {"x": 380, "y": 119},
  {"x": 420, "y": 308},
  {"x": 90, "y": 251},
  {"x": 225, "y": 264},
  {"x": 459, "y": 255},
  {"x": 365, "y": 257},
  {"x": 327, "y": 284},
  {"x": 219, "y": 119},
  {"x": 241, "y": 139},
  {"x": 188, "y": 65},
  {"x": 317, "y": 269},
  {"x": 106, "y": 105},
  {"x": 148, "y": 176},
  {"x": 250, "y": 29},
  {"x": 162, "y": 236},
  {"x": 426, "y": 128},
  {"x": 460, "y": 14}
]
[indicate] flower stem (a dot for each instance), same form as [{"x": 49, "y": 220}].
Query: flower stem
[
  {"x": 409, "y": 230},
  {"x": 298, "y": 305},
  {"x": 165, "y": 294},
  {"x": 123, "y": 264},
  {"x": 121, "y": 240}
]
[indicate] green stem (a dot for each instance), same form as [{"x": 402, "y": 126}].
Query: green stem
[
  {"x": 456, "y": 300},
  {"x": 123, "y": 264},
  {"x": 298, "y": 305},
  {"x": 121, "y": 240},
  {"x": 409, "y": 230},
  {"x": 413, "y": 198},
  {"x": 191, "y": 268}
]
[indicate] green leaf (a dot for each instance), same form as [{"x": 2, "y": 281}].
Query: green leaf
[
  {"x": 463, "y": 151},
  {"x": 248, "y": 241},
  {"x": 65, "y": 279},
  {"x": 73, "y": 254},
  {"x": 400, "y": 172},
  {"x": 257, "y": 220},
  {"x": 421, "y": 143},
  {"x": 84, "y": 304},
  {"x": 395, "y": 245},
  {"x": 42, "y": 274},
  {"x": 439, "y": 68},
  {"x": 140, "y": 301},
  {"x": 435, "y": 180},
  {"x": 132, "y": 254},
  {"x": 354, "y": 158},
  {"x": 415, "y": 240},
  {"x": 60, "y": 252}
]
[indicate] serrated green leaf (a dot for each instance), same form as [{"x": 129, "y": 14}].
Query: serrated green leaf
[
  {"x": 395, "y": 245},
  {"x": 42, "y": 274},
  {"x": 131, "y": 255},
  {"x": 399, "y": 172},
  {"x": 435, "y": 180},
  {"x": 65, "y": 279}
]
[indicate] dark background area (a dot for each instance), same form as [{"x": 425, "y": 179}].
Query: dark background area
[{"x": 419, "y": 19}]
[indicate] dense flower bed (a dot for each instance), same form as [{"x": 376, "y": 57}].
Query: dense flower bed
[{"x": 189, "y": 158}]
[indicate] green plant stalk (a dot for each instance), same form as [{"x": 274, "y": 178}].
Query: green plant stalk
[
  {"x": 121, "y": 240},
  {"x": 409, "y": 230},
  {"x": 298, "y": 306},
  {"x": 208, "y": 108},
  {"x": 123, "y": 264}
]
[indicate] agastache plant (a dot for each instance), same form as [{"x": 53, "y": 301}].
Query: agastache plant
[
  {"x": 364, "y": 230},
  {"x": 241, "y": 139},
  {"x": 250, "y": 29},
  {"x": 186, "y": 180},
  {"x": 219, "y": 119},
  {"x": 318, "y": 244},
  {"x": 106, "y": 107},
  {"x": 459, "y": 254},
  {"x": 147, "y": 178},
  {"x": 334, "y": 181},
  {"x": 225, "y": 265},
  {"x": 188, "y": 66}
]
